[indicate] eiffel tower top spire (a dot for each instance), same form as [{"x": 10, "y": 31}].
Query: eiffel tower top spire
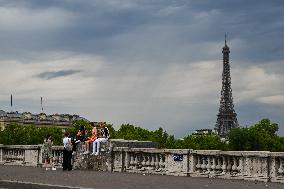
[
  {"x": 226, "y": 47},
  {"x": 226, "y": 118}
]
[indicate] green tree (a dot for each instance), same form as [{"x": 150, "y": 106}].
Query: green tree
[
  {"x": 203, "y": 142},
  {"x": 15, "y": 134},
  {"x": 259, "y": 137}
]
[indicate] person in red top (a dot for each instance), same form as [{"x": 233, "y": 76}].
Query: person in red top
[{"x": 91, "y": 139}]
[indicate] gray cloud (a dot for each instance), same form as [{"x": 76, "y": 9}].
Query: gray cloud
[{"x": 55, "y": 74}]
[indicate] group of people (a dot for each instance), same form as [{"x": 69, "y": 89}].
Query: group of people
[{"x": 97, "y": 137}]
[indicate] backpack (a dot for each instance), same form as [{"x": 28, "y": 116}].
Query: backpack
[{"x": 69, "y": 146}]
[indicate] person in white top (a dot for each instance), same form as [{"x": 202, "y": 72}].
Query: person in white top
[
  {"x": 103, "y": 138},
  {"x": 67, "y": 152}
]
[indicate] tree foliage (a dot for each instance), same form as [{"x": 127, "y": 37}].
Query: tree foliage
[
  {"x": 259, "y": 137},
  {"x": 27, "y": 135}
]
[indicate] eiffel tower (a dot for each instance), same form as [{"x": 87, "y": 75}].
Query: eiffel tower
[{"x": 226, "y": 118}]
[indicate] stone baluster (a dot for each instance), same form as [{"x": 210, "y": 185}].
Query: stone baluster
[
  {"x": 13, "y": 154},
  {"x": 281, "y": 169},
  {"x": 234, "y": 167},
  {"x": 162, "y": 161},
  {"x": 208, "y": 166},
  {"x": 229, "y": 164},
  {"x": 198, "y": 165},
  {"x": 218, "y": 166},
  {"x": 61, "y": 157},
  {"x": 23, "y": 155},
  {"x": 136, "y": 162},
  {"x": 8, "y": 155},
  {"x": 152, "y": 160},
  {"x": 131, "y": 161},
  {"x": 213, "y": 167},
  {"x": 203, "y": 165},
  {"x": 157, "y": 161},
  {"x": 148, "y": 163},
  {"x": 17, "y": 155},
  {"x": 1, "y": 154},
  {"x": 55, "y": 158},
  {"x": 127, "y": 161},
  {"x": 224, "y": 165},
  {"x": 260, "y": 167},
  {"x": 240, "y": 167},
  {"x": 143, "y": 159}
]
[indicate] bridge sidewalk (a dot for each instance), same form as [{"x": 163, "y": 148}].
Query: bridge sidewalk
[{"x": 107, "y": 180}]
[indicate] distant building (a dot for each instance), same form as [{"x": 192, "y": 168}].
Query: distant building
[
  {"x": 203, "y": 132},
  {"x": 62, "y": 121}
]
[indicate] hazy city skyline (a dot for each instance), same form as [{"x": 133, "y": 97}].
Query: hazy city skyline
[{"x": 149, "y": 63}]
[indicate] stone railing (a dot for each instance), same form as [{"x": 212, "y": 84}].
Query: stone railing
[
  {"x": 260, "y": 166},
  {"x": 130, "y": 156},
  {"x": 29, "y": 155}
]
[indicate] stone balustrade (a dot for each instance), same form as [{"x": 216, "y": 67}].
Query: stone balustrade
[
  {"x": 147, "y": 159},
  {"x": 257, "y": 166},
  {"x": 28, "y": 155}
]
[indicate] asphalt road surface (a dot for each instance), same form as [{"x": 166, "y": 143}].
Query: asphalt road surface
[{"x": 107, "y": 180}]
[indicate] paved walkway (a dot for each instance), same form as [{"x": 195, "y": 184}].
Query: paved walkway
[{"x": 107, "y": 180}]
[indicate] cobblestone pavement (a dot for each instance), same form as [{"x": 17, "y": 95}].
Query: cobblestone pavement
[{"x": 107, "y": 180}]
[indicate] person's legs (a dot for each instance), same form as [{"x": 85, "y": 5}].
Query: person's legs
[
  {"x": 69, "y": 166},
  {"x": 95, "y": 146},
  {"x": 87, "y": 146},
  {"x": 100, "y": 140},
  {"x": 64, "y": 164},
  {"x": 98, "y": 146}
]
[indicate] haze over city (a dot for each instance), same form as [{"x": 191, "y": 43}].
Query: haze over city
[{"x": 148, "y": 63}]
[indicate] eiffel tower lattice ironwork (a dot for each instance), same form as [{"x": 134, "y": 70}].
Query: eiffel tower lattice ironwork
[{"x": 227, "y": 117}]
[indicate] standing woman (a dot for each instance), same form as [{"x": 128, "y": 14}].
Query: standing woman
[
  {"x": 47, "y": 152},
  {"x": 67, "y": 152}
]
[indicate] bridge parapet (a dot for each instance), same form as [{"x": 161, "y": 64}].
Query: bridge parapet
[
  {"x": 247, "y": 165},
  {"x": 147, "y": 159}
]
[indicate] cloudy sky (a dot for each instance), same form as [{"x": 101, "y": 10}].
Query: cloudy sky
[{"x": 153, "y": 63}]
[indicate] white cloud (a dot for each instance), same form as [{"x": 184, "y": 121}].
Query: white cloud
[
  {"x": 192, "y": 81},
  {"x": 254, "y": 83},
  {"x": 275, "y": 100}
]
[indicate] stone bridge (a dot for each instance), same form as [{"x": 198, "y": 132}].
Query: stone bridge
[{"x": 144, "y": 163}]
